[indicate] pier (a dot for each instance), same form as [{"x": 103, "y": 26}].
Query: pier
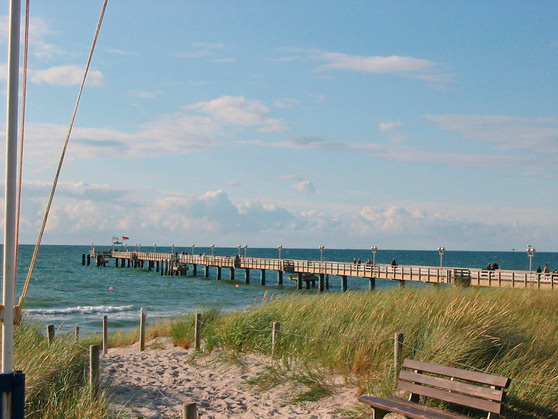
[{"x": 307, "y": 272}]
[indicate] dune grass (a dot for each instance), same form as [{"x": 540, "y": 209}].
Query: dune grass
[
  {"x": 506, "y": 332},
  {"x": 56, "y": 376}
]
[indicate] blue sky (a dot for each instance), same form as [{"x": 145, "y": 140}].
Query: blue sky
[{"x": 400, "y": 124}]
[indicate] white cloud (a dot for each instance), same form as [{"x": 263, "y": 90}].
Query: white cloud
[
  {"x": 304, "y": 186},
  {"x": 66, "y": 75},
  {"x": 237, "y": 110},
  {"x": 142, "y": 94},
  {"x": 377, "y": 64},
  {"x": 419, "y": 68},
  {"x": 504, "y": 132},
  {"x": 390, "y": 125}
]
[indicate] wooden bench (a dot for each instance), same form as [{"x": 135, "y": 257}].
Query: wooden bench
[{"x": 473, "y": 389}]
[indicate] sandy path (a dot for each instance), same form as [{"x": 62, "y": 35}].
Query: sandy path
[{"x": 157, "y": 382}]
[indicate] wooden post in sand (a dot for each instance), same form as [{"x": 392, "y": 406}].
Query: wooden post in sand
[
  {"x": 143, "y": 315},
  {"x": 76, "y": 332},
  {"x": 274, "y": 332},
  {"x": 50, "y": 333},
  {"x": 397, "y": 351},
  {"x": 93, "y": 371},
  {"x": 197, "y": 331},
  {"x": 189, "y": 411},
  {"x": 105, "y": 334}
]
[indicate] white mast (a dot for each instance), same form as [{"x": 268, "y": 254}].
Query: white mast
[{"x": 10, "y": 216}]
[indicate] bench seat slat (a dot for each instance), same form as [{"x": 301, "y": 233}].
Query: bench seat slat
[
  {"x": 409, "y": 409},
  {"x": 486, "y": 405},
  {"x": 478, "y": 377},
  {"x": 468, "y": 389}
]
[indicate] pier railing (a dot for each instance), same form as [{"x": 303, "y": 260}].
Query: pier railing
[{"x": 429, "y": 274}]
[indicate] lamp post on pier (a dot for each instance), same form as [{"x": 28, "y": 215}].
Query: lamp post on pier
[
  {"x": 280, "y": 248},
  {"x": 212, "y": 250},
  {"x": 172, "y": 248},
  {"x": 154, "y": 247},
  {"x": 374, "y": 250},
  {"x": 441, "y": 251},
  {"x": 193, "y": 249},
  {"x": 531, "y": 254},
  {"x": 139, "y": 247},
  {"x": 321, "y": 247},
  {"x": 238, "y": 247},
  {"x": 245, "y": 249}
]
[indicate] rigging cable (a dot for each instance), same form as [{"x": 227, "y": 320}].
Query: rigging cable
[
  {"x": 59, "y": 168},
  {"x": 22, "y": 129}
]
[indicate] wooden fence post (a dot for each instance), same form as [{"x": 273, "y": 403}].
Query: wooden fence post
[
  {"x": 105, "y": 334},
  {"x": 93, "y": 371},
  {"x": 274, "y": 332},
  {"x": 197, "y": 331},
  {"x": 76, "y": 332},
  {"x": 189, "y": 411},
  {"x": 50, "y": 333},
  {"x": 143, "y": 315},
  {"x": 397, "y": 351}
]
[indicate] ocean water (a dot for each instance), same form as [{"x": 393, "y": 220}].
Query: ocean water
[{"x": 65, "y": 293}]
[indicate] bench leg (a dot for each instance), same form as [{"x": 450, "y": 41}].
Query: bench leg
[{"x": 378, "y": 413}]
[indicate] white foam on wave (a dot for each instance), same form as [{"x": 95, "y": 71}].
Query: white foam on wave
[{"x": 78, "y": 310}]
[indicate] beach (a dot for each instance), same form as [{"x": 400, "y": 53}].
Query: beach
[{"x": 157, "y": 382}]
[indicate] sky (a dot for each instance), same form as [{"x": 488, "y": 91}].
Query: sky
[{"x": 347, "y": 124}]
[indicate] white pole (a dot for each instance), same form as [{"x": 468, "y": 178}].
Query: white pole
[{"x": 10, "y": 198}]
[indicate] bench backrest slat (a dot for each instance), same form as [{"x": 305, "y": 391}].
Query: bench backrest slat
[
  {"x": 478, "y": 377},
  {"x": 486, "y": 405},
  {"x": 455, "y": 386}
]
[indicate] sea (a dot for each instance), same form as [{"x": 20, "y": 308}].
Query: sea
[{"x": 66, "y": 293}]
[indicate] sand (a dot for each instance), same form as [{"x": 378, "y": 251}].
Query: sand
[{"x": 157, "y": 382}]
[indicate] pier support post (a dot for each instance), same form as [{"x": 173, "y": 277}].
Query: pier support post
[
  {"x": 299, "y": 281},
  {"x": 321, "y": 283},
  {"x": 88, "y": 260},
  {"x": 232, "y": 274},
  {"x": 195, "y": 269},
  {"x": 327, "y": 281},
  {"x": 279, "y": 277},
  {"x": 83, "y": 259},
  {"x": 206, "y": 273},
  {"x": 401, "y": 283},
  {"x": 247, "y": 276},
  {"x": 219, "y": 273},
  {"x": 157, "y": 266},
  {"x": 372, "y": 285},
  {"x": 262, "y": 277},
  {"x": 344, "y": 283}
]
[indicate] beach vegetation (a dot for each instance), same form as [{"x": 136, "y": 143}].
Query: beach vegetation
[
  {"x": 56, "y": 375},
  {"x": 507, "y": 332}
]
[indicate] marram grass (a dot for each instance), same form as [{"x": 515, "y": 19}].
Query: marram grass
[
  {"x": 506, "y": 332},
  {"x": 56, "y": 376}
]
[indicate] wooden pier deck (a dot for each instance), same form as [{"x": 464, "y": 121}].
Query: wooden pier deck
[{"x": 179, "y": 264}]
